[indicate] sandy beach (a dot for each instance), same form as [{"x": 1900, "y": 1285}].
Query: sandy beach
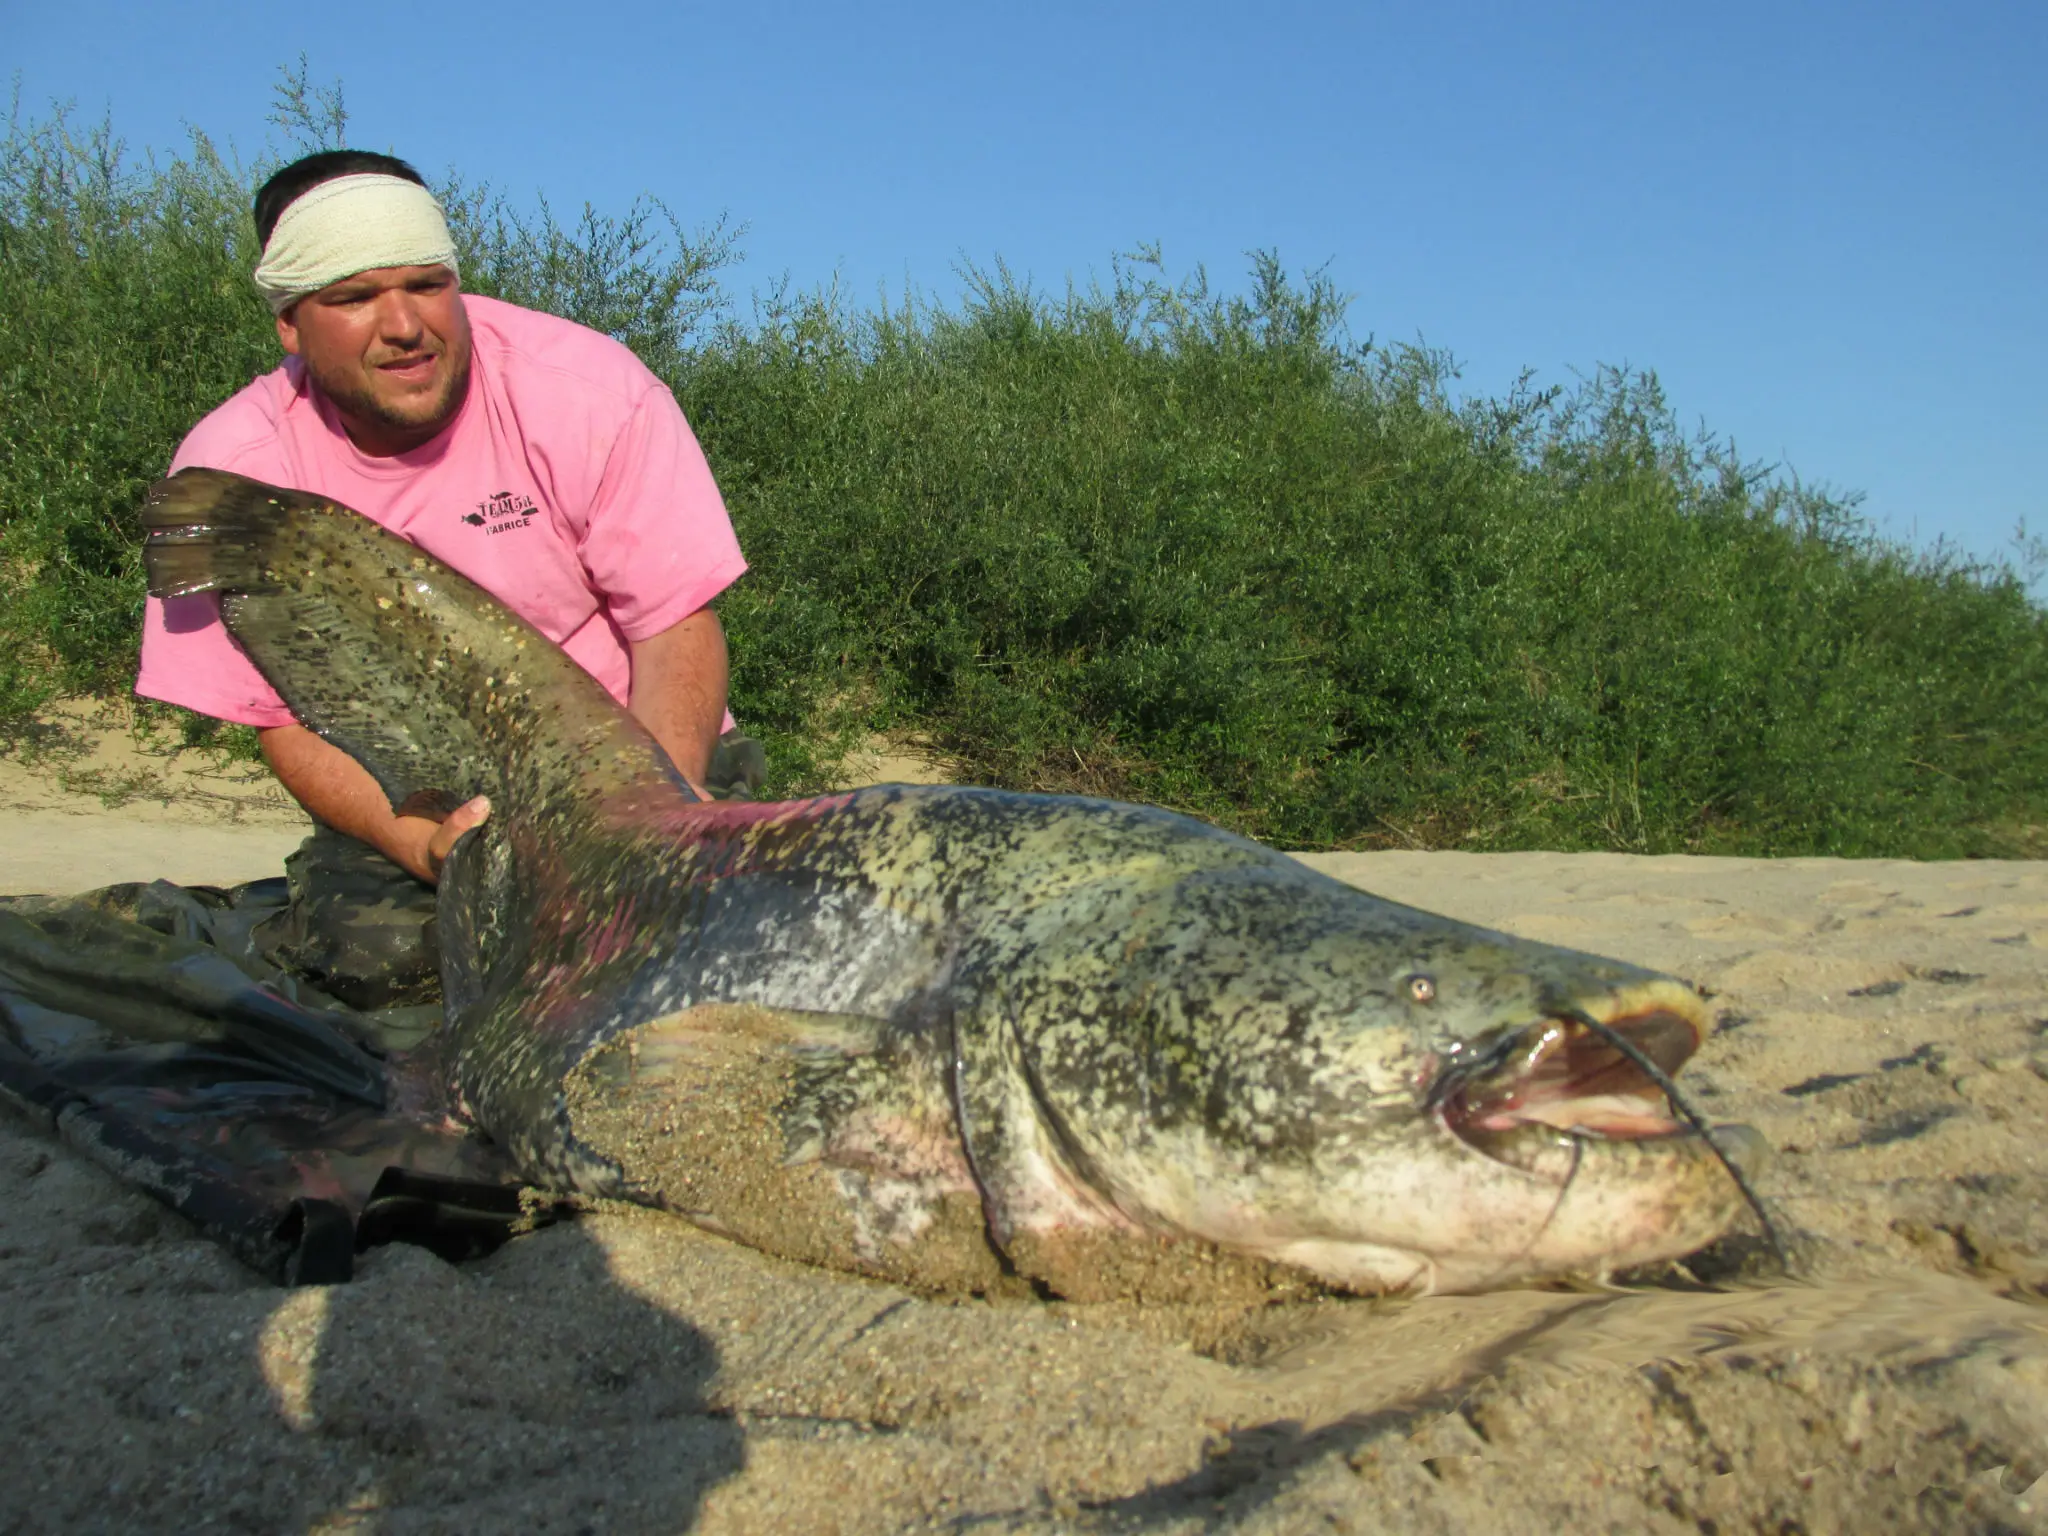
[{"x": 1883, "y": 1024}]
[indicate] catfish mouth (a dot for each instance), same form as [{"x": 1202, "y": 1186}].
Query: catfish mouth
[{"x": 1560, "y": 1078}]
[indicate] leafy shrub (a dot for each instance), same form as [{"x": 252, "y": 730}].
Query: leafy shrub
[{"x": 1152, "y": 541}]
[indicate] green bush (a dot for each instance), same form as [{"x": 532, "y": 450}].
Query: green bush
[
  {"x": 1201, "y": 552},
  {"x": 127, "y": 314},
  {"x": 1150, "y": 541}
]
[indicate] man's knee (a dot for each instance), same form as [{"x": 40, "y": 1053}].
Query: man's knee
[
  {"x": 357, "y": 926},
  {"x": 738, "y": 767}
]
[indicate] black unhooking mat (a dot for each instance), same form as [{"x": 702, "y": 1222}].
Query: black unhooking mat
[{"x": 140, "y": 1024}]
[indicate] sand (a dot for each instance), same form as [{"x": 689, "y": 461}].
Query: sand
[
  {"x": 86, "y": 800},
  {"x": 1882, "y": 1025}
]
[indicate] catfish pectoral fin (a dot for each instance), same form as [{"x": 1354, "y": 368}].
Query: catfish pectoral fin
[{"x": 699, "y": 1111}]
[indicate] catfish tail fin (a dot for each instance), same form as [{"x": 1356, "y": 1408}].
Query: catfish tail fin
[
  {"x": 413, "y": 670},
  {"x": 206, "y": 533}
]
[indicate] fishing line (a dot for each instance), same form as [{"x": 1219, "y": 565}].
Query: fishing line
[{"x": 1662, "y": 1079}]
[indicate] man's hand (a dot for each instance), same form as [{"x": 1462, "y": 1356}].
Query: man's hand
[
  {"x": 441, "y": 836},
  {"x": 339, "y": 792}
]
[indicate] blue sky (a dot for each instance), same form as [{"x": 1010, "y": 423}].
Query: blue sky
[{"x": 1825, "y": 226}]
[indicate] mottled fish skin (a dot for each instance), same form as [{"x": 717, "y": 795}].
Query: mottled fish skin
[{"x": 1087, "y": 1022}]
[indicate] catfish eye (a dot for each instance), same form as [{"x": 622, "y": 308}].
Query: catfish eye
[{"x": 1422, "y": 988}]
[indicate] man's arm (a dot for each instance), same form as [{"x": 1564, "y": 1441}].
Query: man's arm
[
  {"x": 679, "y": 679},
  {"x": 678, "y": 692},
  {"x": 336, "y": 789}
]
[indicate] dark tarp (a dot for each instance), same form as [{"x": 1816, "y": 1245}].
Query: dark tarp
[{"x": 144, "y": 1025}]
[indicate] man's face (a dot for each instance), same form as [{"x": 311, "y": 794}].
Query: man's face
[{"x": 390, "y": 348}]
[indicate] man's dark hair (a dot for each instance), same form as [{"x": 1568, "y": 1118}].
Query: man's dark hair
[{"x": 301, "y": 176}]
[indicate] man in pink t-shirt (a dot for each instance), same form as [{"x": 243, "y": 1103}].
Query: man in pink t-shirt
[{"x": 541, "y": 459}]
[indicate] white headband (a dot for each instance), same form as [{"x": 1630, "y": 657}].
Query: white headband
[{"x": 349, "y": 225}]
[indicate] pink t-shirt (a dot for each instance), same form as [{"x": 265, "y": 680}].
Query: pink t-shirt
[{"x": 569, "y": 487}]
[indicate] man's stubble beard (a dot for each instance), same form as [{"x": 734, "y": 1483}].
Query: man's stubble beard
[{"x": 355, "y": 401}]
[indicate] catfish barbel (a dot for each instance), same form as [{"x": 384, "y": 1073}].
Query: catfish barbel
[{"x": 955, "y": 1037}]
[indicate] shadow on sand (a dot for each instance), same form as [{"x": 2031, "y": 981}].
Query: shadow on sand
[
  {"x": 530, "y": 1392},
  {"x": 153, "y": 1384}
]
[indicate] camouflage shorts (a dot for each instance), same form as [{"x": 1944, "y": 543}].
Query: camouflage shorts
[{"x": 362, "y": 930}]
